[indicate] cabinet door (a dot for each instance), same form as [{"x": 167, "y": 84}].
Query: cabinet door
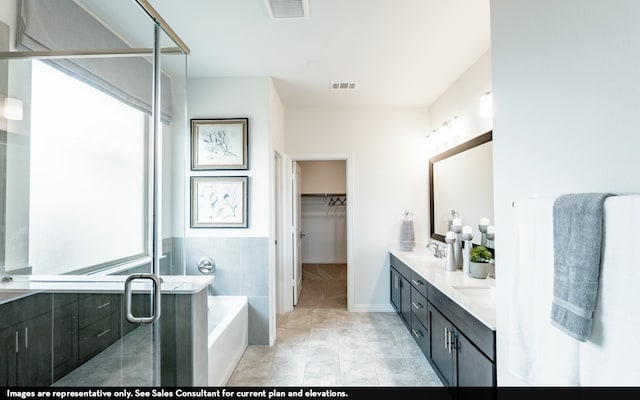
[
  {"x": 405, "y": 301},
  {"x": 65, "y": 339},
  {"x": 474, "y": 368},
  {"x": 8, "y": 356},
  {"x": 34, "y": 351},
  {"x": 395, "y": 290},
  {"x": 441, "y": 354}
]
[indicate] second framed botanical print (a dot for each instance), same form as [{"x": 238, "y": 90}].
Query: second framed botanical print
[
  {"x": 219, "y": 143},
  {"x": 219, "y": 201}
]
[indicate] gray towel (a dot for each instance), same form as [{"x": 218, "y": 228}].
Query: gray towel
[
  {"x": 577, "y": 244},
  {"x": 407, "y": 235}
]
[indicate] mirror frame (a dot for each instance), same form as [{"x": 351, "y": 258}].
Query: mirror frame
[{"x": 477, "y": 141}]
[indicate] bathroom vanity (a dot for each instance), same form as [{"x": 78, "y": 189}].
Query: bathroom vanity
[{"x": 450, "y": 315}]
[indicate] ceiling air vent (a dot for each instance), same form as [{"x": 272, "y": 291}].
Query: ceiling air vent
[
  {"x": 288, "y": 8},
  {"x": 343, "y": 85}
]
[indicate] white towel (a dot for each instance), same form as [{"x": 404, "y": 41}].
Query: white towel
[
  {"x": 610, "y": 356},
  {"x": 538, "y": 354}
]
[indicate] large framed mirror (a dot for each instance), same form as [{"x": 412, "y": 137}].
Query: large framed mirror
[{"x": 461, "y": 181}]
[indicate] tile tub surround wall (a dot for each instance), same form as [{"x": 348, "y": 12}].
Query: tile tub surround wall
[{"x": 242, "y": 269}]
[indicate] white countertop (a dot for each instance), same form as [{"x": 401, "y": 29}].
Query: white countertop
[
  {"x": 477, "y": 296},
  {"x": 23, "y": 285}
]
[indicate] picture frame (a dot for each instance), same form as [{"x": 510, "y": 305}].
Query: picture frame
[
  {"x": 219, "y": 144},
  {"x": 219, "y": 201}
]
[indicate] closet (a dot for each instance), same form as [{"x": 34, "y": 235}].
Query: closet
[{"x": 324, "y": 233}]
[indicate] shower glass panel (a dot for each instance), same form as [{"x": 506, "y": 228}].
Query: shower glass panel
[{"x": 91, "y": 192}]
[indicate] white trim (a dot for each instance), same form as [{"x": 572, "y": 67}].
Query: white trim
[
  {"x": 286, "y": 291},
  {"x": 372, "y": 308}
]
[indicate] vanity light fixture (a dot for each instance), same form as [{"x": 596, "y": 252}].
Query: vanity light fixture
[
  {"x": 454, "y": 125},
  {"x": 12, "y": 109},
  {"x": 486, "y": 105}
]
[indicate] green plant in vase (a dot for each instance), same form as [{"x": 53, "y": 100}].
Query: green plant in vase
[{"x": 480, "y": 262}]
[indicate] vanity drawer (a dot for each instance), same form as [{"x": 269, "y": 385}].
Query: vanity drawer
[
  {"x": 420, "y": 334},
  {"x": 98, "y": 336},
  {"x": 97, "y": 306},
  {"x": 419, "y": 306},
  {"x": 418, "y": 282}
]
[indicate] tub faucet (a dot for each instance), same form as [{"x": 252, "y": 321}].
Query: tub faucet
[{"x": 438, "y": 251}]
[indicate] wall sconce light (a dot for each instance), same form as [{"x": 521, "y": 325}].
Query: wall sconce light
[
  {"x": 12, "y": 109},
  {"x": 457, "y": 125},
  {"x": 486, "y": 105},
  {"x": 454, "y": 126}
]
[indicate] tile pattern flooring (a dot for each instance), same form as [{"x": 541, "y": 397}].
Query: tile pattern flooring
[
  {"x": 320, "y": 346},
  {"x": 324, "y": 286}
]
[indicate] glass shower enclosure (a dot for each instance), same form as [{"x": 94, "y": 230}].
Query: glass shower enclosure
[{"x": 92, "y": 125}]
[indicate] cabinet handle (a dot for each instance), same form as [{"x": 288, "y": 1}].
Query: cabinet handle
[
  {"x": 446, "y": 338},
  {"x": 17, "y": 341},
  {"x": 26, "y": 337},
  {"x": 103, "y": 305},
  {"x": 450, "y": 341},
  {"x": 395, "y": 281},
  {"x": 417, "y": 282},
  {"x": 416, "y": 333},
  {"x": 417, "y": 306},
  {"x": 104, "y": 333}
]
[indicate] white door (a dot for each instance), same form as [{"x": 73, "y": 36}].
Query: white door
[{"x": 297, "y": 233}]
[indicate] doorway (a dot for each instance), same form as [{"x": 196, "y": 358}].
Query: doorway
[{"x": 320, "y": 232}]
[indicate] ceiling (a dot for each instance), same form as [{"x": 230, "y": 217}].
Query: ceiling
[{"x": 400, "y": 53}]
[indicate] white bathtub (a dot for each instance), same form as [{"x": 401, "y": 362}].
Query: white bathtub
[{"x": 228, "y": 336}]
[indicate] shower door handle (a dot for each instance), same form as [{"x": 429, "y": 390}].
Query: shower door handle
[{"x": 155, "y": 312}]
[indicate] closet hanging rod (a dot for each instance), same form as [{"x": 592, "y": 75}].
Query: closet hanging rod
[{"x": 323, "y": 194}]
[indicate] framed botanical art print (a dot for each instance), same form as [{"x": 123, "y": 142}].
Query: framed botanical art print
[
  {"x": 219, "y": 143},
  {"x": 219, "y": 201}
]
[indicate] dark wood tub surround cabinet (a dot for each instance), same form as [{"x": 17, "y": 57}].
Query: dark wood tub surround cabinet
[
  {"x": 459, "y": 347},
  {"x": 60, "y": 330}
]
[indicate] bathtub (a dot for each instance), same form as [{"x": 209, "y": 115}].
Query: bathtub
[{"x": 228, "y": 333}]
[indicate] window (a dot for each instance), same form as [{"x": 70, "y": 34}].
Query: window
[{"x": 88, "y": 179}]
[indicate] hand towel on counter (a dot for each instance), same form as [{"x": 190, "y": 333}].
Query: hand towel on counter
[
  {"x": 407, "y": 232},
  {"x": 610, "y": 356},
  {"x": 537, "y": 353},
  {"x": 577, "y": 245}
]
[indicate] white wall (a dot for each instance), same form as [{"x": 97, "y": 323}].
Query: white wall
[
  {"x": 238, "y": 98},
  {"x": 325, "y": 176},
  {"x": 462, "y": 99},
  {"x": 389, "y": 166},
  {"x": 567, "y": 111}
]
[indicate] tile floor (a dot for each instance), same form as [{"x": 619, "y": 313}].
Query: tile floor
[{"x": 320, "y": 346}]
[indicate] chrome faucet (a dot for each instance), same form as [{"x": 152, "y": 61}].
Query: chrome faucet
[{"x": 438, "y": 251}]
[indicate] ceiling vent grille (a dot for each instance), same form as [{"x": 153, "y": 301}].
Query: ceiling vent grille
[
  {"x": 343, "y": 85},
  {"x": 288, "y": 8}
]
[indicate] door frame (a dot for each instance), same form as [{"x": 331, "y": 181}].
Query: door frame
[{"x": 285, "y": 285}]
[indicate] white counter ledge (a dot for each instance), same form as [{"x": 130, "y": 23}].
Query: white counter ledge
[
  {"x": 477, "y": 296},
  {"x": 23, "y": 285}
]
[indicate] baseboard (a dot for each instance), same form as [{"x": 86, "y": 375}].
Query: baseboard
[{"x": 372, "y": 308}]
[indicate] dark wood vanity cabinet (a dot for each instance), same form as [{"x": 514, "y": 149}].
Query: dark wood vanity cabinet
[
  {"x": 460, "y": 348},
  {"x": 27, "y": 334},
  {"x": 62, "y": 330},
  {"x": 401, "y": 296},
  {"x": 408, "y": 298}
]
